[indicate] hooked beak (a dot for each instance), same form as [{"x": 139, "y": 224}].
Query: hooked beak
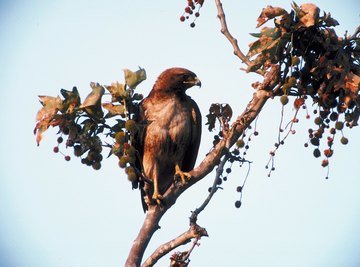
[
  {"x": 197, "y": 82},
  {"x": 192, "y": 82}
]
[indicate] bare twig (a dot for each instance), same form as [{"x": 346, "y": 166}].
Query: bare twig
[
  {"x": 214, "y": 187},
  {"x": 225, "y": 31}
]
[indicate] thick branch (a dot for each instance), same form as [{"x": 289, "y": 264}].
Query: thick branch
[
  {"x": 195, "y": 231},
  {"x": 150, "y": 225}
]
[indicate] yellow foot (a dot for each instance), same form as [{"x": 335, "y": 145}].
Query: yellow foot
[
  {"x": 157, "y": 198},
  {"x": 184, "y": 176}
]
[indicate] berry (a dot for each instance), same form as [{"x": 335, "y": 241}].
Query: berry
[
  {"x": 77, "y": 151},
  {"x": 318, "y": 121},
  {"x": 339, "y": 125},
  {"x": 56, "y": 149},
  {"x": 192, "y": 25},
  {"x": 130, "y": 151},
  {"x": 120, "y": 137},
  {"x": 344, "y": 140},
  {"x": 240, "y": 143},
  {"x": 284, "y": 99},
  {"x": 334, "y": 116},
  {"x": 239, "y": 189},
  {"x": 315, "y": 141},
  {"x": 325, "y": 163},
  {"x": 317, "y": 153},
  {"x": 238, "y": 204},
  {"x": 197, "y": 14},
  {"x": 67, "y": 158},
  {"x": 328, "y": 152},
  {"x": 132, "y": 177},
  {"x": 182, "y": 18},
  {"x": 96, "y": 165},
  {"x": 60, "y": 140},
  {"x": 123, "y": 161},
  {"x": 130, "y": 125}
]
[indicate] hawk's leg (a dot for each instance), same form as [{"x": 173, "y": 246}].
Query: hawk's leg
[
  {"x": 184, "y": 176},
  {"x": 156, "y": 195}
]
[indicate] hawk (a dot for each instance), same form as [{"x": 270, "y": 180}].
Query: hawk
[{"x": 168, "y": 144}]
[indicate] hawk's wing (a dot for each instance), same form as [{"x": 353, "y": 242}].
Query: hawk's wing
[{"x": 192, "y": 150}]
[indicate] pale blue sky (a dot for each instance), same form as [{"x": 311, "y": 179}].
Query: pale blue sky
[{"x": 62, "y": 214}]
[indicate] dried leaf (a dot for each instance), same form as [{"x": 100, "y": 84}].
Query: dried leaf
[
  {"x": 308, "y": 15},
  {"x": 132, "y": 79},
  {"x": 117, "y": 90},
  {"x": 92, "y": 103},
  {"x": 51, "y": 105},
  {"x": 269, "y": 13},
  {"x": 113, "y": 110},
  {"x": 72, "y": 99}
]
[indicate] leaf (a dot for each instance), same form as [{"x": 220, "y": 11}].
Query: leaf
[
  {"x": 92, "y": 103},
  {"x": 132, "y": 79},
  {"x": 72, "y": 99},
  {"x": 328, "y": 20},
  {"x": 51, "y": 106},
  {"x": 113, "y": 110},
  {"x": 269, "y": 37},
  {"x": 269, "y": 13},
  {"x": 117, "y": 91},
  {"x": 308, "y": 15}
]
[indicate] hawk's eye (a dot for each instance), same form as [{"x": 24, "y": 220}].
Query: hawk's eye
[{"x": 185, "y": 77}]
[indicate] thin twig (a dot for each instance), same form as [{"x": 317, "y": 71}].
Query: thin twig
[
  {"x": 225, "y": 31},
  {"x": 214, "y": 187}
]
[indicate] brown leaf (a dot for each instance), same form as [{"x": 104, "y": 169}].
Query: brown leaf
[
  {"x": 117, "y": 90},
  {"x": 113, "y": 110},
  {"x": 308, "y": 15},
  {"x": 269, "y": 13}
]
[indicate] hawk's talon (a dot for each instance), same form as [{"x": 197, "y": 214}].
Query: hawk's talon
[
  {"x": 158, "y": 198},
  {"x": 184, "y": 176}
]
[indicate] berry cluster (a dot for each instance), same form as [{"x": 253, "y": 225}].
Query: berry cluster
[
  {"x": 313, "y": 64},
  {"x": 190, "y": 10}
]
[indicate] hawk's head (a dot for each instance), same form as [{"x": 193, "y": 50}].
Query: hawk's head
[{"x": 176, "y": 80}]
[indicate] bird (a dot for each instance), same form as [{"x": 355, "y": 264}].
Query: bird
[{"x": 169, "y": 141}]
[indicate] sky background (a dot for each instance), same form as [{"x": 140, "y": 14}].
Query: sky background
[{"x": 55, "y": 213}]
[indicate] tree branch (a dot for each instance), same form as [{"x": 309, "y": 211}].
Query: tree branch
[
  {"x": 214, "y": 188},
  {"x": 195, "y": 231},
  {"x": 225, "y": 31}
]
